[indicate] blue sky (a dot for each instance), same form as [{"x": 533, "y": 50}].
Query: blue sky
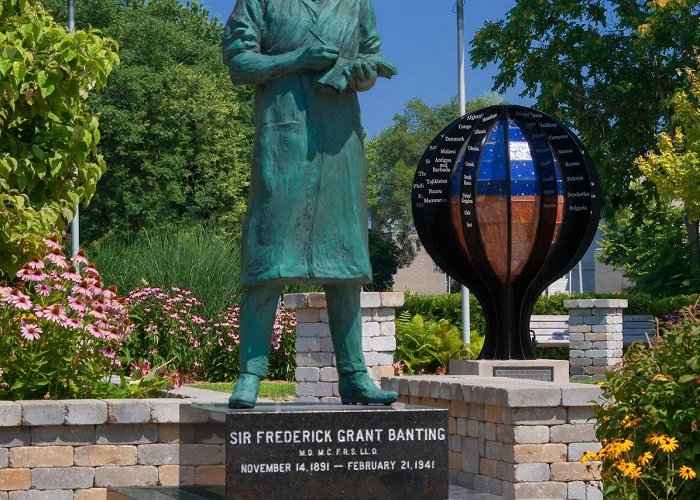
[{"x": 420, "y": 37}]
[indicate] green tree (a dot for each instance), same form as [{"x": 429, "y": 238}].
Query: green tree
[
  {"x": 384, "y": 257},
  {"x": 392, "y": 157},
  {"x": 176, "y": 133},
  {"x": 48, "y": 135},
  {"x": 607, "y": 68},
  {"x": 674, "y": 167}
]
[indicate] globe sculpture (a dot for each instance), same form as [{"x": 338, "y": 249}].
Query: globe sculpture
[{"x": 506, "y": 201}]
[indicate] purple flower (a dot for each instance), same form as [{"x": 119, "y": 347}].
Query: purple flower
[{"x": 31, "y": 331}]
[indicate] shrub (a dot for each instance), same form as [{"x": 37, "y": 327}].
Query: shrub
[
  {"x": 427, "y": 346},
  {"x": 170, "y": 328},
  {"x": 449, "y": 306},
  {"x": 649, "y": 427},
  {"x": 62, "y": 332},
  {"x": 48, "y": 136},
  {"x": 222, "y": 347},
  {"x": 192, "y": 258}
]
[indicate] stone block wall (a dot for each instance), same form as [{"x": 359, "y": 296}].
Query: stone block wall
[
  {"x": 595, "y": 336},
  {"x": 316, "y": 376},
  {"x": 514, "y": 438},
  {"x": 78, "y": 449}
]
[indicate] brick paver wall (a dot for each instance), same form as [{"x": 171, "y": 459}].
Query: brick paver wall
[
  {"x": 316, "y": 376},
  {"x": 77, "y": 449},
  {"x": 514, "y": 438}
]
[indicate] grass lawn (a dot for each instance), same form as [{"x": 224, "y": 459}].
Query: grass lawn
[{"x": 269, "y": 389}]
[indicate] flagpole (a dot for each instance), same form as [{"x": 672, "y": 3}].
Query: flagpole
[
  {"x": 75, "y": 223},
  {"x": 466, "y": 322}
]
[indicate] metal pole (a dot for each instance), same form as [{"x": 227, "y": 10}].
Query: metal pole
[
  {"x": 466, "y": 322},
  {"x": 75, "y": 223},
  {"x": 580, "y": 276}
]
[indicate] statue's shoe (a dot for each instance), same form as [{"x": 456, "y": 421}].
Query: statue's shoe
[
  {"x": 357, "y": 388},
  {"x": 245, "y": 394}
]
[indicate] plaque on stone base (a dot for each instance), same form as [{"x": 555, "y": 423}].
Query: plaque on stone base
[
  {"x": 297, "y": 450},
  {"x": 544, "y": 370}
]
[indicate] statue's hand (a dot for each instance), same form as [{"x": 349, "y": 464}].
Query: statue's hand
[
  {"x": 316, "y": 57},
  {"x": 361, "y": 75}
]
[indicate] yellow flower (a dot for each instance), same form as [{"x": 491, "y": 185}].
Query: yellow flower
[
  {"x": 645, "y": 458},
  {"x": 620, "y": 465},
  {"x": 587, "y": 456},
  {"x": 614, "y": 449},
  {"x": 686, "y": 473},
  {"x": 625, "y": 445},
  {"x": 632, "y": 471},
  {"x": 669, "y": 444},
  {"x": 628, "y": 422},
  {"x": 655, "y": 439}
]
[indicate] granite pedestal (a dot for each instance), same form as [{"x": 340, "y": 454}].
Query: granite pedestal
[{"x": 310, "y": 450}]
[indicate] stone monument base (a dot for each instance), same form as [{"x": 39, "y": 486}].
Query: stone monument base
[
  {"x": 332, "y": 451},
  {"x": 544, "y": 370}
]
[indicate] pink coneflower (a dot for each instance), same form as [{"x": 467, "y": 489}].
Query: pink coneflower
[
  {"x": 72, "y": 275},
  {"x": 72, "y": 323},
  {"x": 52, "y": 243},
  {"x": 108, "y": 352},
  {"x": 30, "y": 331},
  {"x": 98, "y": 312},
  {"x": 20, "y": 301},
  {"x": 81, "y": 288},
  {"x": 27, "y": 274},
  {"x": 79, "y": 258},
  {"x": 35, "y": 263},
  {"x": 95, "y": 287},
  {"x": 91, "y": 271},
  {"x": 54, "y": 313},
  {"x": 77, "y": 304},
  {"x": 56, "y": 257},
  {"x": 43, "y": 289},
  {"x": 96, "y": 331}
]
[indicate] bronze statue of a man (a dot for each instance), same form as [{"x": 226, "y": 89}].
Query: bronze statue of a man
[{"x": 307, "y": 208}]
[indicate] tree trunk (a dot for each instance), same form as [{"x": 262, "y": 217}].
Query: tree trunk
[{"x": 691, "y": 228}]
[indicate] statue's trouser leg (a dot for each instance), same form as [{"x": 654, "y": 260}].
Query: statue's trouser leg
[
  {"x": 345, "y": 321},
  {"x": 258, "y": 306},
  {"x": 345, "y": 318}
]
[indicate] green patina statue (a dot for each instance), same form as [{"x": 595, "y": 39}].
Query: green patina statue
[{"x": 307, "y": 215}]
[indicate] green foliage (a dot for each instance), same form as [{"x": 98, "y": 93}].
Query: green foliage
[
  {"x": 651, "y": 247},
  {"x": 449, "y": 306},
  {"x": 675, "y": 167},
  {"x": 445, "y": 306},
  {"x": 192, "y": 258},
  {"x": 607, "y": 68},
  {"x": 392, "y": 158},
  {"x": 654, "y": 408},
  {"x": 48, "y": 134},
  {"x": 63, "y": 336},
  {"x": 427, "y": 346},
  {"x": 384, "y": 257},
  {"x": 176, "y": 133}
]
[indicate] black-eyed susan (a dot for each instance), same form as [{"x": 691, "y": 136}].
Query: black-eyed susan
[
  {"x": 625, "y": 445},
  {"x": 655, "y": 438},
  {"x": 620, "y": 465},
  {"x": 645, "y": 457},
  {"x": 629, "y": 422},
  {"x": 632, "y": 471},
  {"x": 588, "y": 456},
  {"x": 668, "y": 444},
  {"x": 686, "y": 473}
]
